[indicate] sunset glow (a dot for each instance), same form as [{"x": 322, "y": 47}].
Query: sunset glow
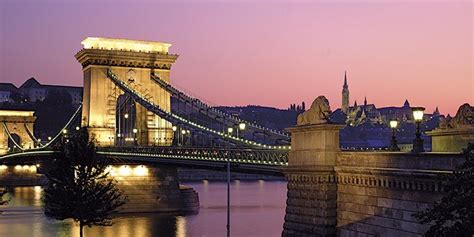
[{"x": 247, "y": 52}]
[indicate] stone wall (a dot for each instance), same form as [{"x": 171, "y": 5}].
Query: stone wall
[
  {"x": 377, "y": 192},
  {"x": 20, "y": 175},
  {"x": 154, "y": 189},
  {"x": 339, "y": 193}
]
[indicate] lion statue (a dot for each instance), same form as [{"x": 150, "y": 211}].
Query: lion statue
[
  {"x": 317, "y": 114},
  {"x": 464, "y": 117}
]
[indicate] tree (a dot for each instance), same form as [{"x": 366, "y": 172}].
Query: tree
[
  {"x": 453, "y": 215},
  {"x": 79, "y": 186}
]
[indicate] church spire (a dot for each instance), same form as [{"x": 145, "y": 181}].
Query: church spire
[
  {"x": 345, "y": 95},
  {"x": 365, "y": 100},
  {"x": 345, "y": 79},
  {"x": 406, "y": 104}
]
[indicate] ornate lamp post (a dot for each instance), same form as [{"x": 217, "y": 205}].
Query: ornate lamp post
[
  {"x": 176, "y": 140},
  {"x": 229, "y": 131},
  {"x": 183, "y": 136},
  {"x": 135, "y": 141},
  {"x": 418, "y": 142},
  {"x": 242, "y": 127},
  {"x": 393, "y": 142}
]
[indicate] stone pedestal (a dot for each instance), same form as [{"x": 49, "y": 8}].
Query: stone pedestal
[
  {"x": 154, "y": 189},
  {"x": 312, "y": 189},
  {"x": 19, "y": 125},
  {"x": 451, "y": 140}
]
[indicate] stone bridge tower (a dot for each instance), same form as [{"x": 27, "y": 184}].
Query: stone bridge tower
[
  {"x": 132, "y": 61},
  {"x": 20, "y": 125}
]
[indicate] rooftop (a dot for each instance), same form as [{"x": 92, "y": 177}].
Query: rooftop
[{"x": 125, "y": 44}]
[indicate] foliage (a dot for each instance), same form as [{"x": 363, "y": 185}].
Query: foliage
[
  {"x": 454, "y": 214},
  {"x": 2, "y": 193},
  {"x": 79, "y": 186}
]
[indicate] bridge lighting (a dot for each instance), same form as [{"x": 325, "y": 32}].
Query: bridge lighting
[
  {"x": 17, "y": 167},
  {"x": 393, "y": 142},
  {"x": 140, "y": 170},
  {"x": 124, "y": 170},
  {"x": 230, "y": 130},
  {"x": 64, "y": 131},
  {"x": 3, "y": 167},
  {"x": 49, "y": 138},
  {"x": 135, "y": 131},
  {"x": 418, "y": 142},
  {"x": 174, "y": 128},
  {"x": 125, "y": 116},
  {"x": 77, "y": 128},
  {"x": 183, "y": 132},
  {"x": 188, "y": 132},
  {"x": 242, "y": 126}
]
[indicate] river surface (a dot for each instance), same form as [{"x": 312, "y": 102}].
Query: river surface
[{"x": 257, "y": 209}]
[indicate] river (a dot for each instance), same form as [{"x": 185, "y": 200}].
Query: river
[{"x": 257, "y": 209}]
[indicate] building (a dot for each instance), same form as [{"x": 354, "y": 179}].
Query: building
[
  {"x": 7, "y": 91},
  {"x": 359, "y": 114},
  {"x": 33, "y": 91}
]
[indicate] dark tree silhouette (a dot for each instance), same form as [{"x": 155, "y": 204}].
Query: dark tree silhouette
[
  {"x": 79, "y": 186},
  {"x": 454, "y": 214}
]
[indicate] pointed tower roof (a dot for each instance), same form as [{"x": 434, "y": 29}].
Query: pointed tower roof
[
  {"x": 355, "y": 103},
  {"x": 345, "y": 86},
  {"x": 365, "y": 100},
  {"x": 406, "y": 104},
  {"x": 436, "y": 112}
]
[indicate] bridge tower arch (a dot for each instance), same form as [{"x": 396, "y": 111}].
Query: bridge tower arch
[
  {"x": 133, "y": 61},
  {"x": 16, "y": 130}
]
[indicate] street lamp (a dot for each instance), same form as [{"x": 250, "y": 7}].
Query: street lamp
[
  {"x": 125, "y": 116},
  {"x": 135, "y": 131},
  {"x": 393, "y": 142},
  {"x": 175, "y": 135},
  {"x": 418, "y": 142},
  {"x": 64, "y": 131},
  {"x": 242, "y": 127},
  {"x": 230, "y": 130},
  {"x": 77, "y": 128}
]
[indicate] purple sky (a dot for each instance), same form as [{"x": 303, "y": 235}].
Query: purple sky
[{"x": 262, "y": 52}]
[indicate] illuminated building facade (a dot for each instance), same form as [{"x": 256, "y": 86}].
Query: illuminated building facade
[{"x": 132, "y": 61}]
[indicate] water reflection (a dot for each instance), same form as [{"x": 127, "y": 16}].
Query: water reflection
[{"x": 257, "y": 210}]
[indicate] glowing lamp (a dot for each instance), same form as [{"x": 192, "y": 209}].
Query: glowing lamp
[
  {"x": 242, "y": 126},
  {"x": 418, "y": 141},
  {"x": 135, "y": 130},
  {"x": 418, "y": 113},
  {"x": 183, "y": 132},
  {"x": 64, "y": 131},
  {"x": 125, "y": 116},
  {"x": 174, "y": 128},
  {"x": 393, "y": 124},
  {"x": 230, "y": 130},
  {"x": 77, "y": 128}
]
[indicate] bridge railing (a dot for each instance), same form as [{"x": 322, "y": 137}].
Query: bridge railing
[{"x": 235, "y": 155}]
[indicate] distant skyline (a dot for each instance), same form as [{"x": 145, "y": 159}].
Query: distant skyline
[{"x": 270, "y": 53}]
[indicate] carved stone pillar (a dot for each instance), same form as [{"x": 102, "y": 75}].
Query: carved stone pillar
[{"x": 311, "y": 206}]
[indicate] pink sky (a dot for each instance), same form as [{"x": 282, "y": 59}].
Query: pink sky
[{"x": 262, "y": 52}]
